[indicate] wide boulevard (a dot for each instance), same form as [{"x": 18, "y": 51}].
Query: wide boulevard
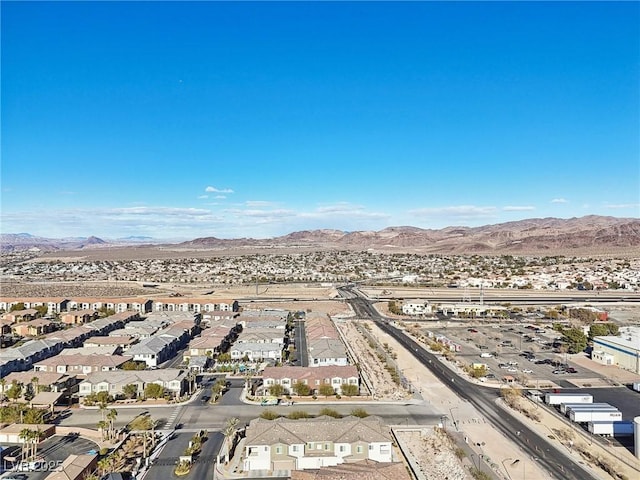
[{"x": 482, "y": 398}]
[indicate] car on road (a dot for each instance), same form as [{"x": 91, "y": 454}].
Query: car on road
[
  {"x": 571, "y": 370},
  {"x": 13, "y": 476},
  {"x": 472, "y": 330},
  {"x": 490, "y": 375},
  {"x": 503, "y": 365},
  {"x": 559, "y": 372},
  {"x": 512, "y": 369},
  {"x": 527, "y": 370}
]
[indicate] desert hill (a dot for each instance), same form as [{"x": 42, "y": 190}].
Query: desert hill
[{"x": 585, "y": 235}]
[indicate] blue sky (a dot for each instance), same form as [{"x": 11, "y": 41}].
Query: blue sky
[{"x": 240, "y": 119}]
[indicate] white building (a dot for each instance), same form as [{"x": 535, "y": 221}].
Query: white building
[
  {"x": 624, "y": 348},
  {"x": 417, "y": 307},
  {"x": 284, "y": 444},
  {"x": 256, "y": 351}
]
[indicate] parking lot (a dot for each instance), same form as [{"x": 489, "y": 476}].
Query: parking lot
[
  {"x": 528, "y": 353},
  {"x": 53, "y": 451}
]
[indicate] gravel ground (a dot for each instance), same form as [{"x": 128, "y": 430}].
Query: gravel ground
[
  {"x": 370, "y": 365},
  {"x": 433, "y": 452},
  {"x": 74, "y": 290}
]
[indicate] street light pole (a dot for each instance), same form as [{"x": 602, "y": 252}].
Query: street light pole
[
  {"x": 505, "y": 467},
  {"x": 453, "y": 420}
]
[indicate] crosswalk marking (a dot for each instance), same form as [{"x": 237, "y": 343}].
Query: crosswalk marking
[{"x": 172, "y": 418}]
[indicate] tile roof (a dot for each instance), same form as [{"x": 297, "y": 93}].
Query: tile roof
[
  {"x": 97, "y": 360},
  {"x": 363, "y": 470},
  {"x": 320, "y": 429},
  {"x": 298, "y": 373}
]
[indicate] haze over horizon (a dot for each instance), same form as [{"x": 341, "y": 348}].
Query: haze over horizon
[{"x": 185, "y": 120}]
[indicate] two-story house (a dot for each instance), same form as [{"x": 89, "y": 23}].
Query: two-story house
[
  {"x": 313, "y": 377},
  {"x": 285, "y": 444},
  {"x": 174, "y": 381}
]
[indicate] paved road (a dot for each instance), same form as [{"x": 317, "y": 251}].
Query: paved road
[
  {"x": 302, "y": 353},
  {"x": 483, "y": 399},
  {"x": 162, "y": 468}
]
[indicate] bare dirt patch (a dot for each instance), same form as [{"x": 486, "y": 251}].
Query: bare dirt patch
[
  {"x": 372, "y": 367},
  {"x": 433, "y": 452}
]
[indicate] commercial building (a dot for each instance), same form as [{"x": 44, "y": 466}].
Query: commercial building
[{"x": 624, "y": 348}]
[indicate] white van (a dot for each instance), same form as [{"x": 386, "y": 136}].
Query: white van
[{"x": 486, "y": 355}]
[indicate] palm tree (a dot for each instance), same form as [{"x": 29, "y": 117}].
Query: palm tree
[
  {"x": 35, "y": 439},
  {"x": 102, "y": 426},
  {"x": 228, "y": 432},
  {"x": 105, "y": 465},
  {"x": 103, "y": 408},
  {"x": 153, "y": 424},
  {"x": 111, "y": 416},
  {"x": 25, "y": 435},
  {"x": 35, "y": 381}
]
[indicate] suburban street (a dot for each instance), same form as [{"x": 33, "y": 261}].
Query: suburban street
[
  {"x": 162, "y": 468},
  {"x": 302, "y": 356}
]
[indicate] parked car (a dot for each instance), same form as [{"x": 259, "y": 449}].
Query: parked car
[{"x": 527, "y": 370}]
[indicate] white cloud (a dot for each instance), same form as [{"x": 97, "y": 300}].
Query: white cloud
[
  {"x": 457, "y": 211},
  {"x": 220, "y": 197},
  {"x": 512, "y": 208},
  {"x": 203, "y": 197},
  {"x": 168, "y": 211},
  {"x": 622, "y": 205},
  {"x": 259, "y": 203},
  {"x": 279, "y": 213},
  {"x": 218, "y": 190},
  {"x": 559, "y": 200}
]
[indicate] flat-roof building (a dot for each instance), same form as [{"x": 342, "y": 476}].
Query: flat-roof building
[{"x": 624, "y": 348}]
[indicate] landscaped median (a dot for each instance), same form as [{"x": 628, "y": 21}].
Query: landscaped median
[{"x": 194, "y": 448}]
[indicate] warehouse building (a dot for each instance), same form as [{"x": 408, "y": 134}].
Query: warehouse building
[{"x": 624, "y": 349}]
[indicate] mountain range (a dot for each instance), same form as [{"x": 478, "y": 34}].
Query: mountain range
[{"x": 589, "y": 234}]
